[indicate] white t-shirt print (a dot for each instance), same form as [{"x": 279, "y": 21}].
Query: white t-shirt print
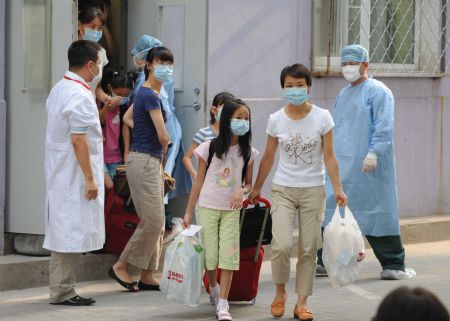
[{"x": 300, "y": 141}]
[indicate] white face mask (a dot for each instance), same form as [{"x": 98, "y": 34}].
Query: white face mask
[
  {"x": 97, "y": 78},
  {"x": 142, "y": 56},
  {"x": 351, "y": 72},
  {"x": 139, "y": 66}
]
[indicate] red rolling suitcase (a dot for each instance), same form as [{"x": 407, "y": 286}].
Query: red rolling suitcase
[
  {"x": 120, "y": 222},
  {"x": 244, "y": 286}
]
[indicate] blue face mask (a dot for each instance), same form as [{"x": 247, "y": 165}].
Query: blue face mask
[
  {"x": 218, "y": 114},
  {"x": 92, "y": 35},
  {"x": 239, "y": 127},
  {"x": 163, "y": 72},
  {"x": 124, "y": 101},
  {"x": 296, "y": 95}
]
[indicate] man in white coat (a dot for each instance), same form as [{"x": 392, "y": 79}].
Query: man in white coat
[{"x": 74, "y": 173}]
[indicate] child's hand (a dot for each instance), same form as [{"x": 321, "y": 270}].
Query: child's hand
[
  {"x": 237, "y": 199},
  {"x": 187, "y": 220},
  {"x": 113, "y": 103},
  {"x": 254, "y": 196}
]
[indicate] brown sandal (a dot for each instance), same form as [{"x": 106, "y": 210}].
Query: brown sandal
[
  {"x": 278, "y": 306},
  {"x": 303, "y": 314}
]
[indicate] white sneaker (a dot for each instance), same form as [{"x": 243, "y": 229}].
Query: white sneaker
[
  {"x": 214, "y": 295},
  {"x": 408, "y": 273},
  {"x": 223, "y": 315}
]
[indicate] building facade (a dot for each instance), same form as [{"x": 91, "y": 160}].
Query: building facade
[{"x": 241, "y": 47}]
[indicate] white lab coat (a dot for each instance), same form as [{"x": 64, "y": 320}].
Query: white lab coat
[{"x": 73, "y": 224}]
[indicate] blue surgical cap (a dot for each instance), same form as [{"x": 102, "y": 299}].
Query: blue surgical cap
[
  {"x": 354, "y": 53},
  {"x": 146, "y": 42}
]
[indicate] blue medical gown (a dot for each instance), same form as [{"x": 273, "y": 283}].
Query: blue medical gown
[
  {"x": 174, "y": 166},
  {"x": 364, "y": 118}
]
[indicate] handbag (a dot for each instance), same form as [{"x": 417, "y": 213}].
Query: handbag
[
  {"x": 169, "y": 183},
  {"x": 121, "y": 183}
]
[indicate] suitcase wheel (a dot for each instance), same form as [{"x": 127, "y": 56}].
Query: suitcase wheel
[{"x": 252, "y": 301}]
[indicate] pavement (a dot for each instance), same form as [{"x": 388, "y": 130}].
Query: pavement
[
  {"x": 357, "y": 302},
  {"x": 28, "y": 271}
]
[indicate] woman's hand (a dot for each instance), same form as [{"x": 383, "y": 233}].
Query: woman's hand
[
  {"x": 253, "y": 196},
  {"x": 341, "y": 198},
  {"x": 187, "y": 220},
  {"x": 237, "y": 199}
]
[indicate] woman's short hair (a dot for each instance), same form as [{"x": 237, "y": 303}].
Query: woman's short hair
[
  {"x": 162, "y": 54},
  {"x": 296, "y": 71}
]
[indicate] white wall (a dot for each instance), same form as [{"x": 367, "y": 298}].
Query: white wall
[
  {"x": 249, "y": 43},
  {"x": 27, "y": 116}
]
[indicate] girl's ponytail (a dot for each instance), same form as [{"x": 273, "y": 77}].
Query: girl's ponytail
[{"x": 116, "y": 79}]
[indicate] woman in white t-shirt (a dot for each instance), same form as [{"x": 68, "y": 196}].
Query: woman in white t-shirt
[{"x": 304, "y": 133}]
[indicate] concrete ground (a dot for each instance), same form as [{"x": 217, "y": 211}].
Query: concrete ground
[{"x": 357, "y": 302}]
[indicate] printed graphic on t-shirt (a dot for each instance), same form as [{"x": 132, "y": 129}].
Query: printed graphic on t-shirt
[
  {"x": 300, "y": 148},
  {"x": 116, "y": 119},
  {"x": 226, "y": 174}
]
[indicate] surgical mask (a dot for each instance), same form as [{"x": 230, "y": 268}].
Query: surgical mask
[
  {"x": 163, "y": 72},
  {"x": 97, "y": 78},
  {"x": 296, "y": 95},
  {"x": 92, "y": 35},
  {"x": 239, "y": 127},
  {"x": 351, "y": 72},
  {"x": 138, "y": 66},
  {"x": 123, "y": 100},
  {"x": 141, "y": 56},
  {"x": 219, "y": 111}
]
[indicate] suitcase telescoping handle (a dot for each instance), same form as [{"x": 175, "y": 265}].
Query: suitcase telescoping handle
[
  {"x": 263, "y": 227},
  {"x": 260, "y": 200}
]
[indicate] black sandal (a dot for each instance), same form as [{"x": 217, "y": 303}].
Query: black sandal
[
  {"x": 130, "y": 286},
  {"x": 148, "y": 287}
]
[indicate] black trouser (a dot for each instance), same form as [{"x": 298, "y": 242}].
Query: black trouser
[{"x": 388, "y": 250}]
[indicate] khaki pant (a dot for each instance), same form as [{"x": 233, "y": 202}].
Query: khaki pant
[
  {"x": 62, "y": 276},
  {"x": 144, "y": 174},
  {"x": 309, "y": 204}
]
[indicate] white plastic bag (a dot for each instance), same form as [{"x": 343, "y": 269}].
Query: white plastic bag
[
  {"x": 177, "y": 228},
  {"x": 343, "y": 248},
  {"x": 182, "y": 274}
]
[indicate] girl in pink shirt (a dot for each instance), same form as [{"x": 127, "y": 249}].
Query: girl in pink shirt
[
  {"x": 118, "y": 84},
  {"x": 220, "y": 187}
]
